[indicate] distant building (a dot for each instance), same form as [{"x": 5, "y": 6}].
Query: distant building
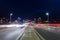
[
  {"x": 39, "y": 20},
  {"x": 3, "y": 20}
]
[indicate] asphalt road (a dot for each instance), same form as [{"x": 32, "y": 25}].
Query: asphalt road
[
  {"x": 48, "y": 35},
  {"x": 10, "y": 33}
]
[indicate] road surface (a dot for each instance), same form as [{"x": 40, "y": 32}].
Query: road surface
[
  {"x": 14, "y": 33},
  {"x": 48, "y": 34},
  {"x": 11, "y": 33}
]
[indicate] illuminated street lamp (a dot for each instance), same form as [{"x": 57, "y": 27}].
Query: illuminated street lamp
[
  {"x": 10, "y": 16},
  {"x": 47, "y": 14}
]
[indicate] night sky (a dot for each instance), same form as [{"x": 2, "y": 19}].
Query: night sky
[{"x": 30, "y": 8}]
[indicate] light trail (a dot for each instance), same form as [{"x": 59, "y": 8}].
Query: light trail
[{"x": 14, "y": 25}]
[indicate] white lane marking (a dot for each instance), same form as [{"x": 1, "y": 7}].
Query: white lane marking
[
  {"x": 38, "y": 34},
  {"x": 20, "y": 34},
  {"x": 14, "y": 35}
]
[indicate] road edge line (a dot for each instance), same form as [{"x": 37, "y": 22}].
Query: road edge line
[
  {"x": 39, "y": 34},
  {"x": 19, "y": 36}
]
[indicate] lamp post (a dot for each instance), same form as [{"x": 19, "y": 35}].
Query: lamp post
[
  {"x": 11, "y": 16},
  {"x": 47, "y": 14}
]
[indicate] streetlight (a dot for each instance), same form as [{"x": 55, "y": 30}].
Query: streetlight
[
  {"x": 10, "y": 16},
  {"x": 47, "y": 14}
]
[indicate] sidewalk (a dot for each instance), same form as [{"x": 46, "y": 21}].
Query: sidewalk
[{"x": 29, "y": 34}]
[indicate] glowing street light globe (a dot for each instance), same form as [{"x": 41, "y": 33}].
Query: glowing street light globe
[
  {"x": 47, "y": 13},
  {"x": 11, "y": 14}
]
